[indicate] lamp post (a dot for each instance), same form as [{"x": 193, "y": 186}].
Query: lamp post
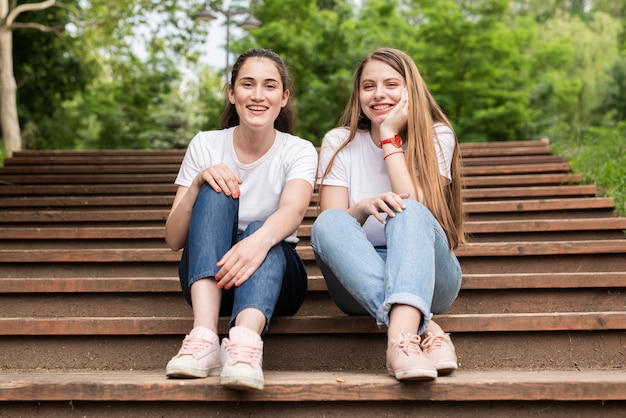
[{"x": 206, "y": 14}]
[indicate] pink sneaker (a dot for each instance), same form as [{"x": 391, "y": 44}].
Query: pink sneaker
[
  {"x": 406, "y": 361},
  {"x": 242, "y": 358},
  {"x": 199, "y": 356},
  {"x": 440, "y": 351}
]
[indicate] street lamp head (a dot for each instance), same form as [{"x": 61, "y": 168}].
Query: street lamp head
[
  {"x": 205, "y": 14},
  {"x": 250, "y": 23}
]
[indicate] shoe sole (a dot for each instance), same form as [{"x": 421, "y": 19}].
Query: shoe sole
[
  {"x": 446, "y": 368},
  {"x": 238, "y": 383},
  {"x": 180, "y": 373},
  {"x": 414, "y": 375}
]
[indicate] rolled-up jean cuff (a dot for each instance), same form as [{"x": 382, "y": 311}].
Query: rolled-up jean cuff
[
  {"x": 382, "y": 317},
  {"x": 200, "y": 276}
]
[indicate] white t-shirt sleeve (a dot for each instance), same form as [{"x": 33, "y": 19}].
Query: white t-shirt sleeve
[
  {"x": 337, "y": 176},
  {"x": 444, "y": 148},
  {"x": 303, "y": 164},
  {"x": 205, "y": 150}
]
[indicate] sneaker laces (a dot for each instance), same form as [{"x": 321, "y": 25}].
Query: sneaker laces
[
  {"x": 410, "y": 344},
  {"x": 434, "y": 341},
  {"x": 193, "y": 345},
  {"x": 241, "y": 352}
]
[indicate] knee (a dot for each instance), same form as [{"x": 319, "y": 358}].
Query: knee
[
  {"x": 327, "y": 219},
  {"x": 415, "y": 206},
  {"x": 209, "y": 199}
]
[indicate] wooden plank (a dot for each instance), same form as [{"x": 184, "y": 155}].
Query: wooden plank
[
  {"x": 487, "y": 151},
  {"x": 87, "y": 215},
  {"x": 92, "y": 232},
  {"x": 576, "y": 280},
  {"x": 90, "y": 285},
  {"x": 86, "y": 201},
  {"x": 87, "y": 178},
  {"x": 500, "y": 322},
  {"x": 558, "y": 167},
  {"x": 530, "y": 192},
  {"x": 510, "y": 160},
  {"x": 86, "y": 154},
  {"x": 129, "y": 169},
  {"x": 102, "y": 159},
  {"x": 299, "y": 386},
  {"x": 546, "y": 225},
  {"x": 542, "y": 248},
  {"x": 522, "y": 180},
  {"x": 89, "y": 189},
  {"x": 135, "y": 284},
  {"x": 125, "y": 255},
  {"x": 533, "y": 143},
  {"x": 534, "y": 205},
  {"x": 157, "y": 232}
]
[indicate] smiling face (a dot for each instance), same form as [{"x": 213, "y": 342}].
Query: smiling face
[
  {"x": 258, "y": 93},
  {"x": 380, "y": 88}
]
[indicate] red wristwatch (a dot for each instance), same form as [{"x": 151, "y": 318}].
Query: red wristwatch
[{"x": 396, "y": 141}]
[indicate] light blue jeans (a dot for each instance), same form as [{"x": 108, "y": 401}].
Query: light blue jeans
[
  {"x": 278, "y": 286},
  {"x": 416, "y": 267}
]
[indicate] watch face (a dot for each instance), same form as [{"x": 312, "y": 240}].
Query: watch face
[{"x": 396, "y": 141}]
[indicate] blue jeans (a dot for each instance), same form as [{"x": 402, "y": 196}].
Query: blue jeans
[
  {"x": 277, "y": 287},
  {"x": 416, "y": 267}
]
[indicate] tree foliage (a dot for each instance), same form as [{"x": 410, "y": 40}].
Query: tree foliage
[{"x": 501, "y": 69}]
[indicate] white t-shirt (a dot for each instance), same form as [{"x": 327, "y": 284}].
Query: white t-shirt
[
  {"x": 290, "y": 157},
  {"x": 361, "y": 169}
]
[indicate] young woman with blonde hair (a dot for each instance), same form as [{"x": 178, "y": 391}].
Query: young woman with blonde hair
[{"x": 391, "y": 213}]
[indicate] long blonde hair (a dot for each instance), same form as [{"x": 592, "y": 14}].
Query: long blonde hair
[{"x": 442, "y": 197}]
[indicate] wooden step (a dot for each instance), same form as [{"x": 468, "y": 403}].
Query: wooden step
[
  {"x": 170, "y": 284},
  {"x": 120, "y": 255},
  {"x": 341, "y": 324},
  {"x": 296, "y": 386},
  {"x": 91, "y": 214},
  {"x": 87, "y": 283},
  {"x": 140, "y": 231}
]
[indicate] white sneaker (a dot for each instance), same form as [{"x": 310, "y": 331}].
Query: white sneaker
[
  {"x": 199, "y": 356},
  {"x": 242, "y": 358}
]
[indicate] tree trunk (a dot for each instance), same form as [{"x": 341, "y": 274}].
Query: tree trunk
[{"x": 8, "y": 88}]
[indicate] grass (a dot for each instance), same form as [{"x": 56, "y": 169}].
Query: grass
[{"x": 600, "y": 155}]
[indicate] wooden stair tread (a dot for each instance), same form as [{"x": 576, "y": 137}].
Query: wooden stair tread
[
  {"x": 297, "y": 386},
  {"x": 88, "y": 189},
  {"x": 158, "y": 231},
  {"x": 318, "y": 324},
  {"x": 517, "y": 169},
  {"x": 526, "y": 180},
  {"x": 86, "y": 214},
  {"x": 158, "y": 178},
  {"x": 487, "y": 249},
  {"x": 589, "y": 190},
  {"x": 123, "y": 284},
  {"x": 533, "y": 205},
  {"x": 88, "y": 178}
]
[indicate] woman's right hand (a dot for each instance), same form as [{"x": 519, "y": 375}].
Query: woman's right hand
[
  {"x": 221, "y": 179},
  {"x": 388, "y": 202}
]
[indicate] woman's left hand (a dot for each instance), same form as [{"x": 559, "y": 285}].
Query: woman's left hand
[
  {"x": 397, "y": 119},
  {"x": 240, "y": 262}
]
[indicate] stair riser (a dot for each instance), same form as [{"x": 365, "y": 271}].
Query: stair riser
[
  {"x": 554, "y": 409},
  {"x": 317, "y": 303},
  {"x": 521, "y": 350}
]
